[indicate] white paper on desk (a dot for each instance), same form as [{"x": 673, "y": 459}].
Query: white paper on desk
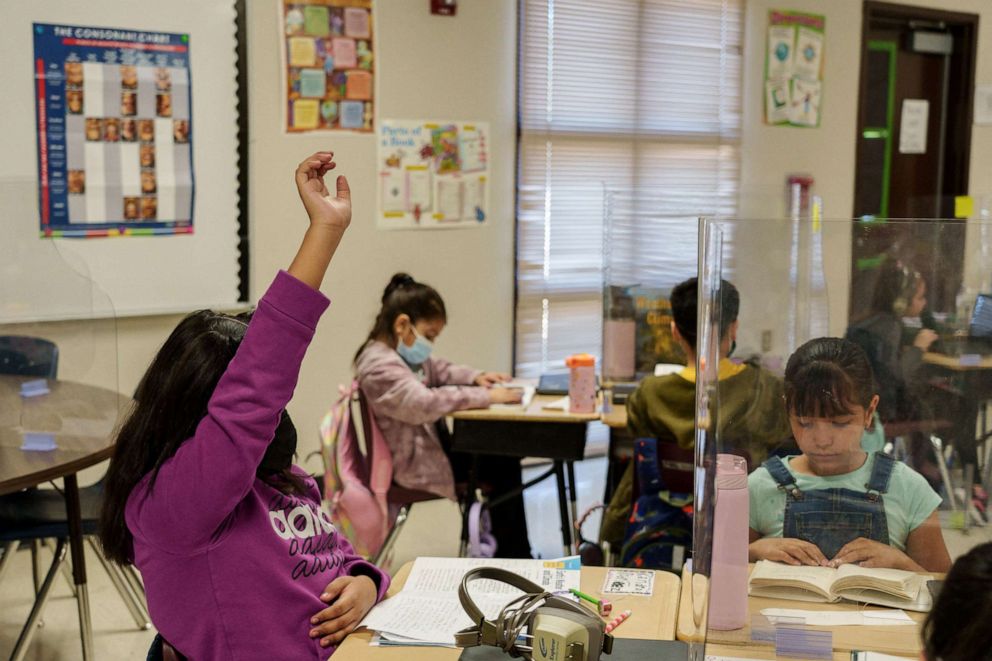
[
  {"x": 557, "y": 405},
  {"x": 628, "y": 581},
  {"x": 427, "y": 609},
  {"x": 526, "y": 398},
  {"x": 840, "y": 618}
]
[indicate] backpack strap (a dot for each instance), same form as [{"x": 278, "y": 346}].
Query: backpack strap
[
  {"x": 782, "y": 477},
  {"x": 646, "y": 465},
  {"x": 881, "y": 473},
  {"x": 380, "y": 458}
]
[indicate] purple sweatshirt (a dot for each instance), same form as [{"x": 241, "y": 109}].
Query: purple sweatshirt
[{"x": 234, "y": 568}]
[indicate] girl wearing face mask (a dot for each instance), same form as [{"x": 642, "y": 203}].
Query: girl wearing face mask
[
  {"x": 409, "y": 391},
  {"x": 835, "y": 503}
]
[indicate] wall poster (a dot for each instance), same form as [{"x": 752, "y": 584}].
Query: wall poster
[
  {"x": 114, "y": 131},
  {"x": 328, "y": 65},
  {"x": 433, "y": 174},
  {"x": 794, "y": 68}
]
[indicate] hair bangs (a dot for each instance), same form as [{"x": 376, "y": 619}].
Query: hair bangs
[{"x": 827, "y": 392}]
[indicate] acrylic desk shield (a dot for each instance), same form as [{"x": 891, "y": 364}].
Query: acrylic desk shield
[
  {"x": 910, "y": 297},
  {"x": 70, "y": 356}
]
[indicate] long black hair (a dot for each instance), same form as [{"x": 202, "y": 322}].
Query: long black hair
[
  {"x": 957, "y": 628},
  {"x": 169, "y": 404},
  {"x": 404, "y": 295},
  {"x": 828, "y": 377}
]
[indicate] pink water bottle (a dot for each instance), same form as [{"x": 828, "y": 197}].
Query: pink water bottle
[
  {"x": 728, "y": 579},
  {"x": 581, "y": 383}
]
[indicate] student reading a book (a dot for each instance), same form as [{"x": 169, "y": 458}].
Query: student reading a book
[
  {"x": 410, "y": 391},
  {"x": 238, "y": 559},
  {"x": 957, "y": 628},
  {"x": 835, "y": 503},
  {"x": 751, "y": 415}
]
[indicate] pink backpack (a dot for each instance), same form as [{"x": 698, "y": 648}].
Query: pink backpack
[{"x": 356, "y": 484}]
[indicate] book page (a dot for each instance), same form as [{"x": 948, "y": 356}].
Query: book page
[
  {"x": 892, "y": 581},
  {"x": 769, "y": 574}
]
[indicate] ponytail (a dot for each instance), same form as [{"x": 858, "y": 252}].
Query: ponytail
[{"x": 404, "y": 295}]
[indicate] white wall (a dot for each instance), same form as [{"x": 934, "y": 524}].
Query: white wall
[{"x": 770, "y": 153}]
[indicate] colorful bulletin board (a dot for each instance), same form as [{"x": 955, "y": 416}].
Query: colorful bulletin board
[
  {"x": 433, "y": 174},
  {"x": 328, "y": 65},
  {"x": 794, "y": 68},
  {"x": 114, "y": 131}
]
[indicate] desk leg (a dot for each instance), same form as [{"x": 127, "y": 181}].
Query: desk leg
[
  {"x": 78, "y": 563},
  {"x": 566, "y": 529},
  {"x": 572, "y": 498}
]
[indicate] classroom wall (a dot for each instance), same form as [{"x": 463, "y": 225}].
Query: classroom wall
[
  {"x": 770, "y": 153},
  {"x": 427, "y": 67}
]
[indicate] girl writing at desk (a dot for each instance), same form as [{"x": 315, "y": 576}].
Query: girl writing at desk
[
  {"x": 410, "y": 392},
  {"x": 835, "y": 503},
  {"x": 238, "y": 559}
]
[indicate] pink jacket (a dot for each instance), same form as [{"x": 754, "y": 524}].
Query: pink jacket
[{"x": 406, "y": 405}]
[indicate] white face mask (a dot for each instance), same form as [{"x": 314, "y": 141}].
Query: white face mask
[{"x": 417, "y": 353}]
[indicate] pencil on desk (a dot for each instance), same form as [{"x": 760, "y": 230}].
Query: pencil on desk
[
  {"x": 620, "y": 619},
  {"x": 603, "y": 606}
]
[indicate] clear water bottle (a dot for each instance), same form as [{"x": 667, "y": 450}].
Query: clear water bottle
[{"x": 728, "y": 580}]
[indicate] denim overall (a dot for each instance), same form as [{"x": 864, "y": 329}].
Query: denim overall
[{"x": 830, "y": 518}]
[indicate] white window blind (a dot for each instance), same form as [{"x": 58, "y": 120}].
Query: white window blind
[{"x": 631, "y": 104}]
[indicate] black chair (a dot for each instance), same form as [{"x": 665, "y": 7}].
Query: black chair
[{"x": 23, "y": 355}]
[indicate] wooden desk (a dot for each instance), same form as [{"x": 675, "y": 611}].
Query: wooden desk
[
  {"x": 900, "y": 640},
  {"x": 954, "y": 362},
  {"x": 516, "y": 431},
  {"x": 81, "y": 418},
  {"x": 652, "y": 618}
]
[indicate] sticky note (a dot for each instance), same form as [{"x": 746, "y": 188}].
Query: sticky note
[
  {"x": 352, "y": 114},
  {"x": 38, "y": 442},
  {"x": 34, "y": 388},
  {"x": 305, "y": 113},
  {"x": 358, "y": 86},
  {"x": 356, "y": 22},
  {"x": 316, "y": 21},
  {"x": 313, "y": 83},
  {"x": 344, "y": 53},
  {"x": 964, "y": 206},
  {"x": 302, "y": 52}
]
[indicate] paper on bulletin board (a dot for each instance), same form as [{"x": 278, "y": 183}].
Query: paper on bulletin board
[
  {"x": 433, "y": 174},
  {"x": 328, "y": 72},
  {"x": 114, "y": 132},
  {"x": 794, "y": 68}
]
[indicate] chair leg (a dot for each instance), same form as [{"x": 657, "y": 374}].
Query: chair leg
[
  {"x": 27, "y": 633},
  {"x": 8, "y": 554},
  {"x": 130, "y": 575},
  {"x": 387, "y": 544},
  {"x": 134, "y": 605},
  {"x": 66, "y": 567},
  {"x": 36, "y": 564},
  {"x": 938, "y": 447}
]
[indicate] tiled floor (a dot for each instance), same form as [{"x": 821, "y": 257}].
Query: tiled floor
[{"x": 115, "y": 636}]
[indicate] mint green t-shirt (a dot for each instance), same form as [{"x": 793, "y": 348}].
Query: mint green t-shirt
[{"x": 908, "y": 502}]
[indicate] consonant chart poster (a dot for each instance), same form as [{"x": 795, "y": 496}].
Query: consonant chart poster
[{"x": 114, "y": 131}]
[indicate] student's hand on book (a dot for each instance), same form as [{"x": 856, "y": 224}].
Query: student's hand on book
[
  {"x": 324, "y": 209},
  {"x": 789, "y": 550},
  {"x": 489, "y": 379},
  {"x": 506, "y": 395},
  {"x": 869, "y": 553},
  {"x": 350, "y": 598}
]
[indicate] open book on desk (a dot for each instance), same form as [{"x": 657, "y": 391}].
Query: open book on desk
[
  {"x": 526, "y": 389},
  {"x": 886, "y": 587}
]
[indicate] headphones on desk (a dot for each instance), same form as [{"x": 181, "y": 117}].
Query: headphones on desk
[{"x": 537, "y": 625}]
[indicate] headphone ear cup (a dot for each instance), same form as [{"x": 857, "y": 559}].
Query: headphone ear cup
[
  {"x": 899, "y": 306},
  {"x": 481, "y": 543}
]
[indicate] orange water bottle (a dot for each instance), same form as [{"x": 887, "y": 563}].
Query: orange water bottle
[{"x": 581, "y": 383}]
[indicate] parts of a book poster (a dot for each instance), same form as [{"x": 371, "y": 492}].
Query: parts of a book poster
[
  {"x": 427, "y": 610},
  {"x": 894, "y": 588},
  {"x": 432, "y": 174},
  {"x": 794, "y": 68}
]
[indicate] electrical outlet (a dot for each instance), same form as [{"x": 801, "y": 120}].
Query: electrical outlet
[{"x": 766, "y": 341}]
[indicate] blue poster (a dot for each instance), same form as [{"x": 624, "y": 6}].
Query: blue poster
[{"x": 115, "y": 133}]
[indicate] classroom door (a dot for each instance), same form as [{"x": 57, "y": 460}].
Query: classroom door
[{"x": 914, "y": 141}]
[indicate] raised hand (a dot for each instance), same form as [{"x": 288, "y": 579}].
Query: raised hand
[{"x": 323, "y": 208}]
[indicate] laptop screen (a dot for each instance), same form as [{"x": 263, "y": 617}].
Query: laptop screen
[{"x": 981, "y": 317}]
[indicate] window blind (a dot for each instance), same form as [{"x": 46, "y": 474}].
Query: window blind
[{"x": 629, "y": 117}]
